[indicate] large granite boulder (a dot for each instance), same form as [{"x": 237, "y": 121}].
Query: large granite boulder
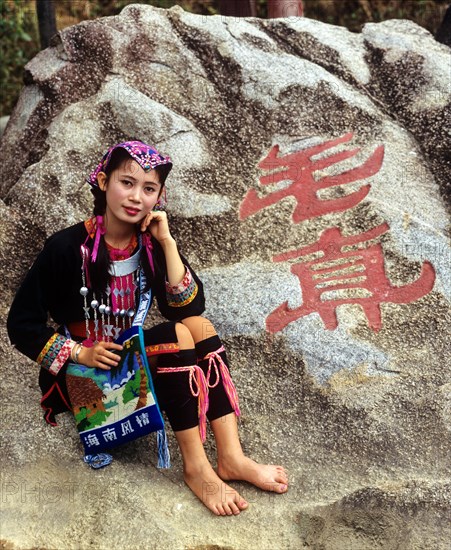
[{"x": 309, "y": 192}]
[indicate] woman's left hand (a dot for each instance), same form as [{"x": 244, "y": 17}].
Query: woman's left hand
[{"x": 157, "y": 223}]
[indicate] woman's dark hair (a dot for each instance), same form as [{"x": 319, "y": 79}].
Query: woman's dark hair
[{"x": 99, "y": 271}]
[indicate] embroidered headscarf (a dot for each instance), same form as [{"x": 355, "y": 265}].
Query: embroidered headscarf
[
  {"x": 145, "y": 155},
  {"x": 148, "y": 158}
]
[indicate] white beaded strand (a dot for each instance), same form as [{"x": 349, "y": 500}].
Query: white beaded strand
[
  {"x": 107, "y": 313},
  {"x": 95, "y": 305}
]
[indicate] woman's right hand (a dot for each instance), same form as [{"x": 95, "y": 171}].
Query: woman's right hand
[{"x": 99, "y": 355}]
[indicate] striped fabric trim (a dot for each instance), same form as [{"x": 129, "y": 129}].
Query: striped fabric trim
[
  {"x": 55, "y": 353},
  {"x": 46, "y": 348},
  {"x": 157, "y": 349},
  {"x": 173, "y": 301},
  {"x": 183, "y": 293}
]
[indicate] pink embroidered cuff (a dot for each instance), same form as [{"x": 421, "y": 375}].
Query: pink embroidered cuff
[
  {"x": 182, "y": 294},
  {"x": 55, "y": 353},
  {"x": 182, "y": 286}
]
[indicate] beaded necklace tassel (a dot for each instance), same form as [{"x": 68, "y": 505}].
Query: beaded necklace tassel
[
  {"x": 123, "y": 311},
  {"x": 130, "y": 299},
  {"x": 113, "y": 309},
  {"x": 107, "y": 327},
  {"x": 84, "y": 289},
  {"x": 102, "y": 308},
  {"x": 94, "y": 306}
]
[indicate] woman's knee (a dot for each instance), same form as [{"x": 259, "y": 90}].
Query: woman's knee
[
  {"x": 200, "y": 328},
  {"x": 184, "y": 337}
]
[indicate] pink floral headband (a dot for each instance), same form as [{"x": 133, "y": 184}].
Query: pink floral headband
[
  {"x": 145, "y": 155},
  {"x": 148, "y": 158}
]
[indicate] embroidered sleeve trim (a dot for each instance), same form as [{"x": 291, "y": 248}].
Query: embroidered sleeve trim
[
  {"x": 182, "y": 286},
  {"x": 184, "y": 293},
  {"x": 55, "y": 353}
]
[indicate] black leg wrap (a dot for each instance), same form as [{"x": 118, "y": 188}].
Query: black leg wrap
[
  {"x": 219, "y": 404},
  {"x": 173, "y": 390}
]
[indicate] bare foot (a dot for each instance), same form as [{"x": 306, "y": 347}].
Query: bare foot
[
  {"x": 217, "y": 496},
  {"x": 264, "y": 476}
]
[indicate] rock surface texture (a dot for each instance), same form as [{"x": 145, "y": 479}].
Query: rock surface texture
[{"x": 309, "y": 192}]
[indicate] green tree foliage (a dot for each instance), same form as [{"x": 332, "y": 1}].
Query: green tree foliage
[
  {"x": 89, "y": 422},
  {"x": 81, "y": 415},
  {"x": 100, "y": 8},
  {"x": 98, "y": 418},
  {"x": 85, "y": 422},
  {"x": 353, "y": 14},
  {"x": 18, "y": 24},
  {"x": 131, "y": 389},
  {"x": 20, "y": 42}
]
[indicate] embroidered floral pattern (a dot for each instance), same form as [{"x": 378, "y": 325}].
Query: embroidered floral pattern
[
  {"x": 184, "y": 293},
  {"x": 145, "y": 155},
  {"x": 55, "y": 353},
  {"x": 162, "y": 348},
  {"x": 90, "y": 225},
  {"x": 119, "y": 254},
  {"x": 182, "y": 286}
]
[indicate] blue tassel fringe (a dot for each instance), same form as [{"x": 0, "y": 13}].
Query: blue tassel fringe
[{"x": 164, "y": 460}]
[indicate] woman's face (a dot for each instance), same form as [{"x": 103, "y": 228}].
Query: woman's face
[{"x": 131, "y": 193}]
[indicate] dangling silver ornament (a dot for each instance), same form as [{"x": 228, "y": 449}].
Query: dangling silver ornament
[
  {"x": 123, "y": 312},
  {"x": 102, "y": 308},
  {"x": 107, "y": 310},
  {"x": 131, "y": 312},
  {"x": 94, "y": 304},
  {"x": 84, "y": 291}
]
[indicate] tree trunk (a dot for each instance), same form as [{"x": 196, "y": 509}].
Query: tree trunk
[
  {"x": 238, "y": 8},
  {"x": 142, "y": 400},
  {"x": 285, "y": 8},
  {"x": 444, "y": 33},
  {"x": 47, "y": 21}
]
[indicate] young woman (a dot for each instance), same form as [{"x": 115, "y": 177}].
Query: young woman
[{"x": 71, "y": 277}]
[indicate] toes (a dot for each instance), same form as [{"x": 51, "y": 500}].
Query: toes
[
  {"x": 220, "y": 509},
  {"x": 242, "y": 504},
  {"x": 275, "y": 487},
  {"x": 234, "y": 508},
  {"x": 281, "y": 475},
  {"x": 231, "y": 508},
  {"x": 281, "y": 479},
  {"x": 227, "y": 509}
]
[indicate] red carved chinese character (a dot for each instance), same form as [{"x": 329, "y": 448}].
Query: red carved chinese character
[
  {"x": 299, "y": 168},
  {"x": 361, "y": 268}
]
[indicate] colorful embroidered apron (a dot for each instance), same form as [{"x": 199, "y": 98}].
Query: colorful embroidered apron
[{"x": 112, "y": 407}]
